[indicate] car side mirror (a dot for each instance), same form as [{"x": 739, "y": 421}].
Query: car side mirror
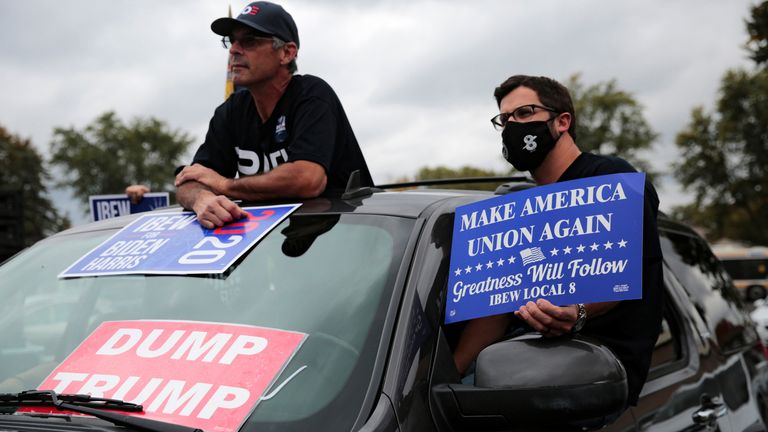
[{"x": 536, "y": 383}]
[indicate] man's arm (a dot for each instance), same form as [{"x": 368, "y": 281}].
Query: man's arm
[
  {"x": 551, "y": 320},
  {"x": 212, "y": 210},
  {"x": 205, "y": 192},
  {"x": 136, "y": 192},
  {"x": 299, "y": 179}
]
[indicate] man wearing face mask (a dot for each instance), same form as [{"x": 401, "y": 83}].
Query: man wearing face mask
[{"x": 537, "y": 122}]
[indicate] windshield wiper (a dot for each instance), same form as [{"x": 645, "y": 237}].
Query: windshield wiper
[
  {"x": 48, "y": 398},
  {"x": 85, "y": 404}
]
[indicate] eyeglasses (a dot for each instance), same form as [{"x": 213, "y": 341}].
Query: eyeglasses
[
  {"x": 246, "y": 42},
  {"x": 519, "y": 114}
]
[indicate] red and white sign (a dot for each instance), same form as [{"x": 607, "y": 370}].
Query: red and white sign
[{"x": 204, "y": 375}]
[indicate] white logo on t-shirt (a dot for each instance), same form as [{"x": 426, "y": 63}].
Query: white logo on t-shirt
[{"x": 251, "y": 163}]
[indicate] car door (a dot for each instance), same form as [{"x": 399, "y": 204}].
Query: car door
[
  {"x": 735, "y": 339},
  {"x": 706, "y": 385},
  {"x": 682, "y": 372}
]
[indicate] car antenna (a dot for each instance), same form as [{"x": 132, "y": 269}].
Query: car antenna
[{"x": 355, "y": 189}]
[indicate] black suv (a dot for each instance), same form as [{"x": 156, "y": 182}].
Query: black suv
[{"x": 364, "y": 276}]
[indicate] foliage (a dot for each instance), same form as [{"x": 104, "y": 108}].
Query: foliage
[
  {"x": 725, "y": 160},
  {"x": 108, "y": 155},
  {"x": 757, "y": 28},
  {"x": 21, "y": 169},
  {"x": 441, "y": 172},
  {"x": 610, "y": 121}
]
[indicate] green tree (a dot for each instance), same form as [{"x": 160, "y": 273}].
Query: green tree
[
  {"x": 22, "y": 169},
  {"x": 610, "y": 121},
  {"x": 442, "y": 172},
  {"x": 725, "y": 160},
  {"x": 757, "y": 28},
  {"x": 108, "y": 155}
]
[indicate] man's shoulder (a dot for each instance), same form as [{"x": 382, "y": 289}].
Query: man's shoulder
[
  {"x": 238, "y": 99},
  {"x": 310, "y": 80},
  {"x": 310, "y": 85},
  {"x": 232, "y": 106},
  {"x": 591, "y": 165},
  {"x": 604, "y": 164}
]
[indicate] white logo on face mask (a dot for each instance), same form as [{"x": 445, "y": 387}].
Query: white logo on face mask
[{"x": 530, "y": 143}]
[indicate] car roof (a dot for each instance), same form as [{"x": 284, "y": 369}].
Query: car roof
[{"x": 407, "y": 203}]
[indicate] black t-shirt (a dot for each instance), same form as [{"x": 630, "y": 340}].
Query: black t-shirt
[
  {"x": 308, "y": 123},
  {"x": 631, "y": 328}
]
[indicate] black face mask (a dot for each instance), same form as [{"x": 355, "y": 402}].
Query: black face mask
[{"x": 527, "y": 144}]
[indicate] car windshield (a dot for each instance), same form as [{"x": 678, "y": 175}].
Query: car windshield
[{"x": 328, "y": 276}]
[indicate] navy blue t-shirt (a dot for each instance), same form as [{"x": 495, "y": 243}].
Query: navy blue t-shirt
[
  {"x": 631, "y": 328},
  {"x": 308, "y": 123}
]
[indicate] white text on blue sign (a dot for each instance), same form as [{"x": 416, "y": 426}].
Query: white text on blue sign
[{"x": 571, "y": 242}]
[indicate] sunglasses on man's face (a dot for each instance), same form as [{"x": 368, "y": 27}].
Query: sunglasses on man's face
[
  {"x": 520, "y": 113},
  {"x": 247, "y": 41}
]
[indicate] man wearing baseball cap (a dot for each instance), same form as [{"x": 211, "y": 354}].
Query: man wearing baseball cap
[{"x": 286, "y": 137}]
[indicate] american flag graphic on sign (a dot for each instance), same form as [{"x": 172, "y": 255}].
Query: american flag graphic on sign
[{"x": 532, "y": 255}]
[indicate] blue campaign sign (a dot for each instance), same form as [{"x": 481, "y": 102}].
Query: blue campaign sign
[
  {"x": 176, "y": 243},
  {"x": 110, "y": 206},
  {"x": 579, "y": 241}
]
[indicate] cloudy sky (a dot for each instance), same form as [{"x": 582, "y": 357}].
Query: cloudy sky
[{"x": 416, "y": 77}]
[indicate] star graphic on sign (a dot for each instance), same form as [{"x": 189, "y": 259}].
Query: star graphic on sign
[
  {"x": 511, "y": 259},
  {"x": 608, "y": 245},
  {"x": 479, "y": 267},
  {"x": 489, "y": 264},
  {"x": 554, "y": 251},
  {"x": 580, "y": 248},
  {"x": 593, "y": 246},
  {"x": 567, "y": 250},
  {"x": 622, "y": 243},
  {"x": 500, "y": 262},
  {"x": 457, "y": 272},
  {"x": 468, "y": 270}
]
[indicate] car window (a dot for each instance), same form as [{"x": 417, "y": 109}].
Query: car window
[
  {"x": 708, "y": 287},
  {"x": 668, "y": 352},
  {"x": 667, "y": 347},
  {"x": 327, "y": 276}
]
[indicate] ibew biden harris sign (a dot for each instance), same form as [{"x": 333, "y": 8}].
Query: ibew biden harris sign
[{"x": 573, "y": 242}]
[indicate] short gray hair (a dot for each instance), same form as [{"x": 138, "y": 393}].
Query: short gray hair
[{"x": 278, "y": 43}]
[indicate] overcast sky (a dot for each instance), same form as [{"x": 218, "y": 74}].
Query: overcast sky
[{"x": 416, "y": 77}]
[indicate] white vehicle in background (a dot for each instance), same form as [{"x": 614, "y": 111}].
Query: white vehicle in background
[
  {"x": 748, "y": 267},
  {"x": 760, "y": 316}
]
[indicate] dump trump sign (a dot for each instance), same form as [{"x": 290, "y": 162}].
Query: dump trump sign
[{"x": 208, "y": 376}]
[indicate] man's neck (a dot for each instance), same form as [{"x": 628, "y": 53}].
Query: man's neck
[
  {"x": 557, "y": 161},
  {"x": 266, "y": 95}
]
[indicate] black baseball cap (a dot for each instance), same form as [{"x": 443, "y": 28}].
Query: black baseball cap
[{"x": 263, "y": 16}]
